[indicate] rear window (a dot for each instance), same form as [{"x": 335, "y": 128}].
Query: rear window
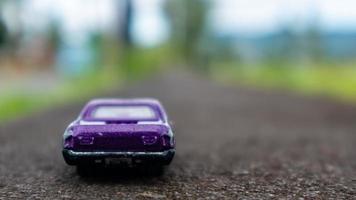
[{"x": 124, "y": 112}]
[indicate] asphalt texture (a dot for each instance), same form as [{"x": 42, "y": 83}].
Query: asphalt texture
[{"x": 232, "y": 143}]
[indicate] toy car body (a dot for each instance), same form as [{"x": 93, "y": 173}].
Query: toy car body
[{"x": 116, "y": 131}]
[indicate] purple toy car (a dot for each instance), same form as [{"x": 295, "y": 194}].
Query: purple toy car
[{"x": 120, "y": 131}]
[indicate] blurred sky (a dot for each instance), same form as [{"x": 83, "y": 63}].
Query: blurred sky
[
  {"x": 227, "y": 16},
  {"x": 150, "y": 26},
  {"x": 261, "y": 16}
]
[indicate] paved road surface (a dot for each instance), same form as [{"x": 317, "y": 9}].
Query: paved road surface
[{"x": 233, "y": 143}]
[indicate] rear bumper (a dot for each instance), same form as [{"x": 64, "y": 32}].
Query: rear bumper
[{"x": 75, "y": 157}]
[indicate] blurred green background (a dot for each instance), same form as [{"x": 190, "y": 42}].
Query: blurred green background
[{"x": 53, "y": 52}]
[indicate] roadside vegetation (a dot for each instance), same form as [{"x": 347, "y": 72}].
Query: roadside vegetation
[
  {"x": 18, "y": 103},
  {"x": 336, "y": 81},
  {"x": 309, "y": 62}
]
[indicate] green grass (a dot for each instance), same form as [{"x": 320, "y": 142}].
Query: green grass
[
  {"x": 332, "y": 80},
  {"x": 137, "y": 62},
  {"x": 17, "y": 104}
]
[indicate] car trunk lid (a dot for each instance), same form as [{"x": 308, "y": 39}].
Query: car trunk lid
[{"x": 118, "y": 137}]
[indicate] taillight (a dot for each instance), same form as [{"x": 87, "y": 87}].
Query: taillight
[
  {"x": 149, "y": 139},
  {"x": 164, "y": 141},
  {"x": 86, "y": 140},
  {"x": 167, "y": 141}
]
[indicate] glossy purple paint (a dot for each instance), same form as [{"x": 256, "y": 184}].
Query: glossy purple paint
[{"x": 90, "y": 136}]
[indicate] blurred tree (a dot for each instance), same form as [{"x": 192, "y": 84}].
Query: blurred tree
[
  {"x": 126, "y": 24},
  {"x": 294, "y": 45},
  {"x": 14, "y": 33},
  {"x": 314, "y": 43},
  {"x": 218, "y": 50},
  {"x": 3, "y": 33},
  {"x": 3, "y": 29},
  {"x": 290, "y": 48},
  {"x": 96, "y": 42},
  {"x": 54, "y": 35},
  {"x": 187, "y": 18},
  {"x": 53, "y": 41},
  {"x": 127, "y": 60}
]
